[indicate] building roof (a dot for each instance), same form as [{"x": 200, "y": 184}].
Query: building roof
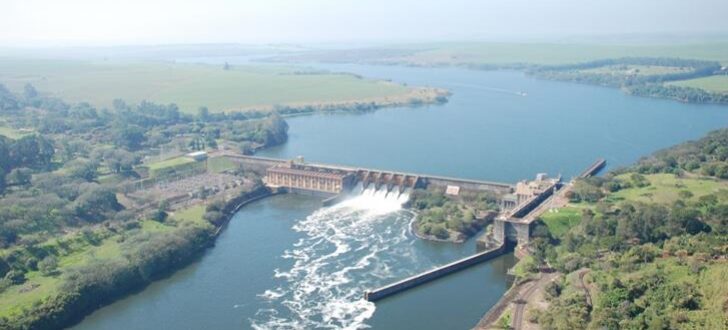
[{"x": 305, "y": 172}]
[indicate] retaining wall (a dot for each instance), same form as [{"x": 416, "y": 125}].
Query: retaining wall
[{"x": 431, "y": 275}]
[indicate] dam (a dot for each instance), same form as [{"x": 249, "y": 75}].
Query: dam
[
  {"x": 327, "y": 179},
  {"x": 520, "y": 204}
]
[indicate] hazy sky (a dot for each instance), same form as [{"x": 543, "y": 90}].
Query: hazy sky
[{"x": 110, "y": 22}]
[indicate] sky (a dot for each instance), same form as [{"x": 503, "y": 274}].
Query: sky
[{"x": 130, "y": 22}]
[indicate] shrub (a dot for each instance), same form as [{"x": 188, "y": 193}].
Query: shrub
[{"x": 48, "y": 265}]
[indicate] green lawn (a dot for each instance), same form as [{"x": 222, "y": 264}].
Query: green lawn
[
  {"x": 665, "y": 189},
  {"x": 177, "y": 161},
  {"x": 559, "y": 221},
  {"x": 718, "y": 84},
  {"x": 220, "y": 164},
  {"x": 190, "y": 85},
  {"x": 191, "y": 214}
]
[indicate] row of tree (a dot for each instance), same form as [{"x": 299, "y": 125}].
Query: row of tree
[{"x": 616, "y": 74}]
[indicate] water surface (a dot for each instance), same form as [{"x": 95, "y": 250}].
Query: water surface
[{"x": 286, "y": 263}]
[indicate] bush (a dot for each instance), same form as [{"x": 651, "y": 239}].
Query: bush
[
  {"x": 15, "y": 276},
  {"x": 553, "y": 290},
  {"x": 48, "y": 265},
  {"x": 214, "y": 217}
]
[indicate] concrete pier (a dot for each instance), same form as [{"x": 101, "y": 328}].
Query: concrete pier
[
  {"x": 433, "y": 274},
  {"x": 594, "y": 168}
]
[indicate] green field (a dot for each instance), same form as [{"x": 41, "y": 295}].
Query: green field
[
  {"x": 192, "y": 214},
  {"x": 191, "y": 85},
  {"x": 665, "y": 189},
  {"x": 554, "y": 53},
  {"x": 220, "y": 164},
  {"x": 11, "y": 132},
  {"x": 718, "y": 84},
  {"x": 640, "y": 70},
  {"x": 559, "y": 221},
  {"x": 172, "y": 162},
  {"x": 39, "y": 287}
]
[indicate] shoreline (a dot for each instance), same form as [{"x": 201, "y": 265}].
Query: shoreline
[
  {"x": 526, "y": 68},
  {"x": 64, "y": 312},
  {"x": 416, "y": 96}
]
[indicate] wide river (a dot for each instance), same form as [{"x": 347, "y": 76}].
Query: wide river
[{"x": 285, "y": 262}]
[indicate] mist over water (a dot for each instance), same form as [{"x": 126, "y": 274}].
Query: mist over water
[{"x": 347, "y": 248}]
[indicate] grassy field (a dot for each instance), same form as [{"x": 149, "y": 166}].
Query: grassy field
[
  {"x": 79, "y": 252},
  {"x": 640, "y": 70},
  {"x": 191, "y": 85},
  {"x": 561, "y": 220},
  {"x": 555, "y": 53},
  {"x": 11, "y": 132},
  {"x": 177, "y": 161},
  {"x": 38, "y": 286},
  {"x": 665, "y": 189},
  {"x": 718, "y": 84},
  {"x": 220, "y": 164},
  {"x": 191, "y": 214}
]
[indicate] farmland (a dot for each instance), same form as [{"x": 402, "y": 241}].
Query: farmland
[
  {"x": 718, "y": 84},
  {"x": 191, "y": 86}
]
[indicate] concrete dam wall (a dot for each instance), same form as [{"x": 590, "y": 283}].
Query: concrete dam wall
[
  {"x": 433, "y": 274},
  {"x": 380, "y": 177}
]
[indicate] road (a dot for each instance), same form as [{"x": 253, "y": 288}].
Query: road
[{"x": 526, "y": 296}]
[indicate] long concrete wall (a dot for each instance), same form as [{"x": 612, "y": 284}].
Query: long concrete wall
[{"x": 431, "y": 275}]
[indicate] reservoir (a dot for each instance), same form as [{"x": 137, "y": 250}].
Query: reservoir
[{"x": 285, "y": 262}]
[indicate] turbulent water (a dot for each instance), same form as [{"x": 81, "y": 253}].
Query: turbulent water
[{"x": 366, "y": 234}]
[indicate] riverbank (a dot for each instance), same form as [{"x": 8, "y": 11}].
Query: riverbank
[
  {"x": 415, "y": 96},
  {"x": 79, "y": 298}
]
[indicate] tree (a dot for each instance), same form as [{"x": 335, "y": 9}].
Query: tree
[
  {"x": 48, "y": 265},
  {"x": 129, "y": 136},
  {"x": 29, "y": 92},
  {"x": 19, "y": 176},
  {"x": 8, "y": 101},
  {"x": 15, "y": 276},
  {"x": 83, "y": 169},
  {"x": 159, "y": 215},
  {"x": 203, "y": 114}
]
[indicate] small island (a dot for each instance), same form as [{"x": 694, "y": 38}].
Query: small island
[{"x": 450, "y": 218}]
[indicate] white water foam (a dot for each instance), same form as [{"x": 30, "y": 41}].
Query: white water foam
[{"x": 347, "y": 248}]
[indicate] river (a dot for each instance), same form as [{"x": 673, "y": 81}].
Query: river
[{"x": 285, "y": 262}]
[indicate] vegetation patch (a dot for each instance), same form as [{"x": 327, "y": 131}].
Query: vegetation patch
[
  {"x": 447, "y": 218},
  {"x": 717, "y": 83},
  {"x": 654, "y": 243},
  {"x": 191, "y": 86},
  {"x": 559, "y": 221}
]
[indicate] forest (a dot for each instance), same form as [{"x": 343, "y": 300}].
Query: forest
[
  {"x": 66, "y": 241},
  {"x": 658, "y": 264}
]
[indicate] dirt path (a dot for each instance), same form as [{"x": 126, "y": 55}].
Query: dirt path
[
  {"x": 526, "y": 297},
  {"x": 587, "y": 295}
]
